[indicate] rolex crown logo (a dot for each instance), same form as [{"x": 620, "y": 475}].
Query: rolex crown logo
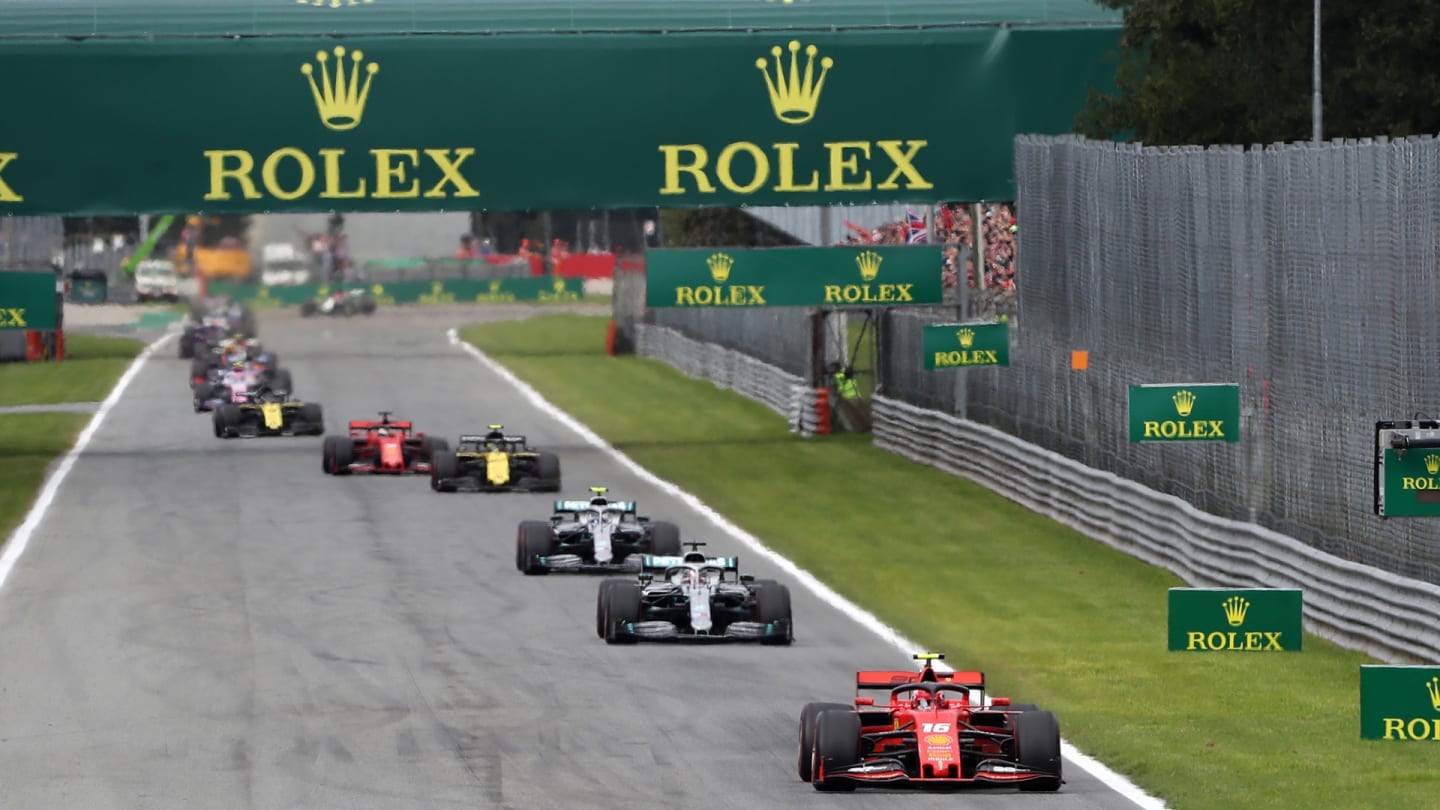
[
  {"x": 967, "y": 337},
  {"x": 720, "y": 265},
  {"x": 1433, "y": 687},
  {"x": 793, "y": 97},
  {"x": 1184, "y": 402},
  {"x": 1235, "y": 609},
  {"x": 1432, "y": 464},
  {"x": 869, "y": 262},
  {"x": 494, "y": 286},
  {"x": 559, "y": 285},
  {"x": 340, "y": 99}
]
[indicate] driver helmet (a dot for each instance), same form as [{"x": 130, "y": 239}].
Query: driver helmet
[{"x": 922, "y": 699}]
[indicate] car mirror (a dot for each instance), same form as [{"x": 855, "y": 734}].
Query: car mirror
[
  {"x": 646, "y": 578},
  {"x": 747, "y": 577},
  {"x": 864, "y": 701},
  {"x": 999, "y": 701}
]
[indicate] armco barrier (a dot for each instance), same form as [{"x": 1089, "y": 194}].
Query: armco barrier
[
  {"x": 782, "y": 392},
  {"x": 1394, "y": 619}
]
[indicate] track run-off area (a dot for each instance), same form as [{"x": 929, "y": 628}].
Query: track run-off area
[{"x": 197, "y": 623}]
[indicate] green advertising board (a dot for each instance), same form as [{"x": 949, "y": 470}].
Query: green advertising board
[
  {"x": 1185, "y": 412},
  {"x": 1235, "y": 620},
  {"x": 890, "y": 275},
  {"x": 28, "y": 300},
  {"x": 283, "y": 105},
  {"x": 966, "y": 345},
  {"x": 1400, "y": 703},
  {"x": 532, "y": 289},
  {"x": 1407, "y": 468}
]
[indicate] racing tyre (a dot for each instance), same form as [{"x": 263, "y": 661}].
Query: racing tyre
[
  {"x": 837, "y": 745},
  {"x": 772, "y": 604},
  {"x": 339, "y": 452},
  {"x": 431, "y": 446},
  {"x": 623, "y": 602},
  {"x": 547, "y": 470},
  {"x": 602, "y": 605},
  {"x": 227, "y": 420},
  {"x": 1037, "y": 745},
  {"x": 200, "y": 367},
  {"x": 533, "y": 540},
  {"x": 665, "y": 539},
  {"x": 443, "y": 469},
  {"x": 307, "y": 308},
  {"x": 367, "y": 307},
  {"x": 327, "y": 454},
  {"x": 187, "y": 344},
  {"x": 280, "y": 380},
  {"x": 314, "y": 418},
  {"x": 808, "y": 715}
]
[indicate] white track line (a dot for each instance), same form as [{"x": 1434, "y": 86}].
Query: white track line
[
  {"x": 15, "y": 545},
  {"x": 864, "y": 618}
]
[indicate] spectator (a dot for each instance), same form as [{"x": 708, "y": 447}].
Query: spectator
[{"x": 467, "y": 250}]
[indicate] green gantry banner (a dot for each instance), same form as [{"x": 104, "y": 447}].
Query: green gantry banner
[
  {"x": 1399, "y": 703},
  {"x": 1185, "y": 412},
  {"x": 1236, "y": 620},
  {"x": 892, "y": 275},
  {"x": 529, "y": 122},
  {"x": 28, "y": 300},
  {"x": 966, "y": 345},
  {"x": 542, "y": 290}
]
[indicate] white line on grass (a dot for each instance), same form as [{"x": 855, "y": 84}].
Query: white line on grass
[
  {"x": 15, "y": 545},
  {"x": 866, "y": 619}
]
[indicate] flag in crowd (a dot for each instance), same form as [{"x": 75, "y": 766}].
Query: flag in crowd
[
  {"x": 915, "y": 230},
  {"x": 864, "y": 234}
]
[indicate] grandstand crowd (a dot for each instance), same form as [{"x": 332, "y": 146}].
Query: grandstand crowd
[{"x": 952, "y": 226}]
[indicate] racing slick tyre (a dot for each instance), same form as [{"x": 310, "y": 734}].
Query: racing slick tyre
[
  {"x": 772, "y": 604},
  {"x": 348, "y": 307},
  {"x": 367, "y": 307},
  {"x": 313, "y": 417},
  {"x": 307, "y": 308},
  {"x": 808, "y": 716},
  {"x": 443, "y": 469},
  {"x": 1037, "y": 745},
  {"x": 533, "y": 540},
  {"x": 187, "y": 344},
  {"x": 602, "y": 604},
  {"x": 432, "y": 446},
  {"x": 547, "y": 473},
  {"x": 837, "y": 745},
  {"x": 622, "y": 605},
  {"x": 200, "y": 368},
  {"x": 339, "y": 452},
  {"x": 280, "y": 380},
  {"x": 665, "y": 539},
  {"x": 227, "y": 421}
]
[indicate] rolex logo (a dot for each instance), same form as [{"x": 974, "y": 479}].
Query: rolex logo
[
  {"x": 340, "y": 99},
  {"x": 1433, "y": 687},
  {"x": 1184, "y": 402},
  {"x": 1235, "y": 608},
  {"x": 967, "y": 337},
  {"x": 720, "y": 265},
  {"x": 494, "y": 286},
  {"x": 559, "y": 285},
  {"x": 869, "y": 262},
  {"x": 1432, "y": 464},
  {"x": 794, "y": 98}
]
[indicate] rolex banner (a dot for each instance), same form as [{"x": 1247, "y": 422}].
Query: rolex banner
[
  {"x": 966, "y": 345},
  {"x": 28, "y": 300},
  {"x": 450, "y": 122},
  {"x": 1400, "y": 703},
  {"x": 1185, "y": 412},
  {"x": 544, "y": 290},
  {"x": 1238, "y": 620},
  {"x": 885, "y": 276}
]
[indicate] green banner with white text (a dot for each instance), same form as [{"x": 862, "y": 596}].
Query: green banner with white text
[{"x": 884, "y": 276}]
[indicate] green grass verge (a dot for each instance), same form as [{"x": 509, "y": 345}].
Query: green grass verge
[
  {"x": 1049, "y": 615},
  {"x": 92, "y": 365},
  {"x": 28, "y": 443}
]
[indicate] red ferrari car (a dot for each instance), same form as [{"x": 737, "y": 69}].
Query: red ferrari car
[
  {"x": 381, "y": 446},
  {"x": 935, "y": 729}
]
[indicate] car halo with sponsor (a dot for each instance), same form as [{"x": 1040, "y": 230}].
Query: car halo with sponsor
[
  {"x": 340, "y": 302},
  {"x": 268, "y": 412},
  {"x": 383, "y": 447},
  {"x": 495, "y": 462},
  {"x": 934, "y": 729},
  {"x": 693, "y": 598},
  {"x": 592, "y": 536}
]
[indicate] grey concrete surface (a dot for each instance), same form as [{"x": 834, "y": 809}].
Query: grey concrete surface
[
  {"x": 216, "y": 624},
  {"x": 54, "y": 407}
]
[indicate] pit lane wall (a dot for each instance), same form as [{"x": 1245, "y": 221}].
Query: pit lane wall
[
  {"x": 1394, "y": 619},
  {"x": 783, "y": 392}
]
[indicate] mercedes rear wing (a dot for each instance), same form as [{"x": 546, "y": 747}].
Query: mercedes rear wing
[{"x": 652, "y": 561}]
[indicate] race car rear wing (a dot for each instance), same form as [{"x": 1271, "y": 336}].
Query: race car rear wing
[
  {"x": 368, "y": 424},
  {"x": 584, "y": 506},
  {"x": 889, "y": 679},
  {"x": 661, "y": 562}
]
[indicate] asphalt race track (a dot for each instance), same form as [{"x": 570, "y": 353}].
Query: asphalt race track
[{"x": 206, "y": 625}]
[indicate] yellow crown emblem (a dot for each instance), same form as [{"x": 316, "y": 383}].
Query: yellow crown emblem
[
  {"x": 793, "y": 98},
  {"x": 559, "y": 285},
  {"x": 1184, "y": 402},
  {"x": 1235, "y": 609},
  {"x": 494, "y": 286},
  {"x": 1433, "y": 687},
  {"x": 869, "y": 262},
  {"x": 340, "y": 99},
  {"x": 720, "y": 265},
  {"x": 967, "y": 337},
  {"x": 1432, "y": 464}
]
